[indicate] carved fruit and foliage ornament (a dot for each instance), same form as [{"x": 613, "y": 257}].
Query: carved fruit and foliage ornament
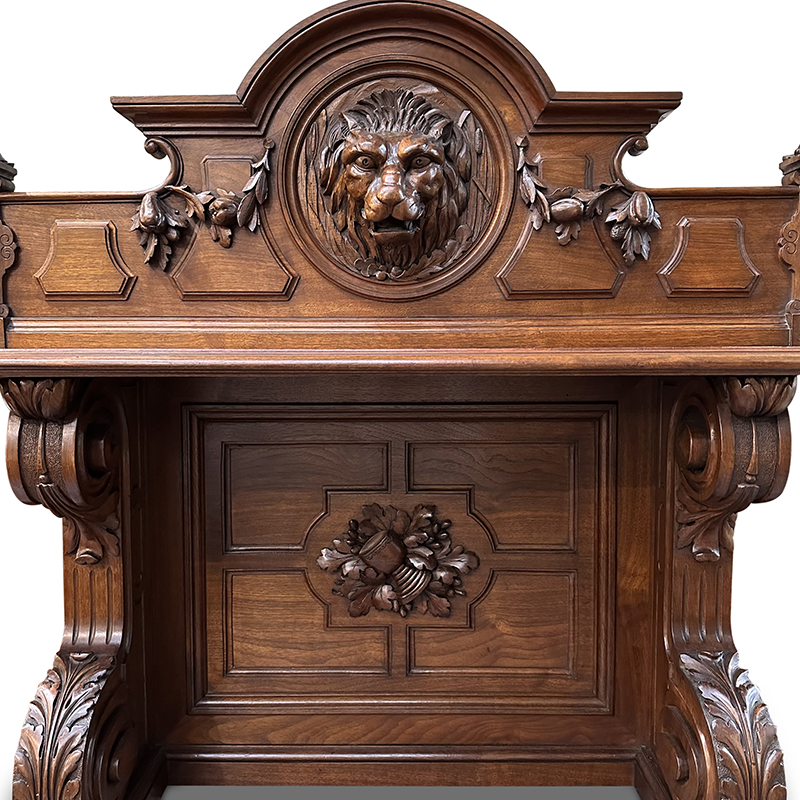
[
  {"x": 391, "y": 560},
  {"x": 165, "y": 214},
  {"x": 399, "y": 182},
  {"x": 632, "y": 219}
]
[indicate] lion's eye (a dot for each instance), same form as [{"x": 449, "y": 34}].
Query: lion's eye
[
  {"x": 420, "y": 162},
  {"x": 365, "y": 162}
]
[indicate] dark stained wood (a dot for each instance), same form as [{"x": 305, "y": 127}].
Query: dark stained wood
[{"x": 398, "y": 436}]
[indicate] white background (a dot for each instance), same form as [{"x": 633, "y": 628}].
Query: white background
[{"x": 737, "y": 67}]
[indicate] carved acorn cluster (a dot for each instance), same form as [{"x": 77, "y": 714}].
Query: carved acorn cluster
[{"x": 160, "y": 222}]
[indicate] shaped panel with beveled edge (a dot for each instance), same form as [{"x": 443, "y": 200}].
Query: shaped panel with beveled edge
[
  {"x": 84, "y": 262},
  {"x": 709, "y": 260}
]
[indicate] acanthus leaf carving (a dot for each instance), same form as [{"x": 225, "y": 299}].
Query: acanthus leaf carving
[
  {"x": 567, "y": 207},
  {"x": 765, "y": 396},
  {"x": 391, "y": 560},
  {"x": 749, "y": 757},
  {"x": 49, "y": 762}
]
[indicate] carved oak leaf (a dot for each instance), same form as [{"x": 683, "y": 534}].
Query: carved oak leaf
[
  {"x": 533, "y": 191},
  {"x": 158, "y": 225},
  {"x": 749, "y": 758}
]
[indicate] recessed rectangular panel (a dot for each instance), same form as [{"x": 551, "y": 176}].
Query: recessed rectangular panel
[
  {"x": 525, "y": 624},
  {"x": 526, "y": 490},
  {"x": 275, "y": 624},
  {"x": 505, "y": 506},
  {"x": 274, "y": 487}
]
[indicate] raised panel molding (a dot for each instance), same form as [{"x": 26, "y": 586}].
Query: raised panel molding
[
  {"x": 526, "y": 623},
  {"x": 84, "y": 263},
  {"x": 224, "y": 262},
  {"x": 709, "y": 260}
]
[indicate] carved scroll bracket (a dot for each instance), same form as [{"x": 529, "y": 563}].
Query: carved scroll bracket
[
  {"x": 165, "y": 212},
  {"x": 66, "y": 450},
  {"x": 63, "y": 452},
  {"x": 730, "y": 447},
  {"x": 568, "y": 207}
]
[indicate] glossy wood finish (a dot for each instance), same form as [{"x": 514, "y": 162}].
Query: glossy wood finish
[{"x": 398, "y": 437}]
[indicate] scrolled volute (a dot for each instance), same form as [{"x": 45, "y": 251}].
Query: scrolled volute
[
  {"x": 731, "y": 449},
  {"x": 63, "y": 453}
]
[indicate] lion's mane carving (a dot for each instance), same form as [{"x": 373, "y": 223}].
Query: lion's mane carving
[{"x": 396, "y": 172}]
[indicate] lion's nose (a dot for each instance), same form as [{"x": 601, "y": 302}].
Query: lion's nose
[{"x": 391, "y": 191}]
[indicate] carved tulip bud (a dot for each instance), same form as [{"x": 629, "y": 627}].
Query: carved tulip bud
[
  {"x": 642, "y": 211},
  {"x": 631, "y": 220}
]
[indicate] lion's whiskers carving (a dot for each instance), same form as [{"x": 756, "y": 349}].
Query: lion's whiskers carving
[{"x": 397, "y": 170}]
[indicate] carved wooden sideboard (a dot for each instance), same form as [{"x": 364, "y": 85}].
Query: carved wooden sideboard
[{"x": 397, "y": 436}]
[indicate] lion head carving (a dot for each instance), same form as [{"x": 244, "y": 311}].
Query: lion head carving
[{"x": 396, "y": 171}]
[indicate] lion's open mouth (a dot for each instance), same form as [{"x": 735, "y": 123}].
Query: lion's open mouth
[{"x": 393, "y": 230}]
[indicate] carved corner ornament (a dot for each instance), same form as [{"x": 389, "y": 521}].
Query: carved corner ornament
[
  {"x": 790, "y": 167},
  {"x": 8, "y": 247},
  {"x": 391, "y": 560},
  {"x": 7, "y": 175},
  {"x": 567, "y": 207},
  {"x": 164, "y": 213},
  {"x": 63, "y": 454}
]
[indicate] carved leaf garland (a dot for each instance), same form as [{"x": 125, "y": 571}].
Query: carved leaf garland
[
  {"x": 256, "y": 190},
  {"x": 391, "y": 560},
  {"x": 567, "y": 207},
  {"x": 49, "y": 762},
  {"x": 749, "y": 758}
]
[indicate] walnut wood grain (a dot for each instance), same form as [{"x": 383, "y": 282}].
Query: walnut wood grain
[
  {"x": 729, "y": 446},
  {"x": 397, "y": 435},
  {"x": 67, "y": 449}
]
